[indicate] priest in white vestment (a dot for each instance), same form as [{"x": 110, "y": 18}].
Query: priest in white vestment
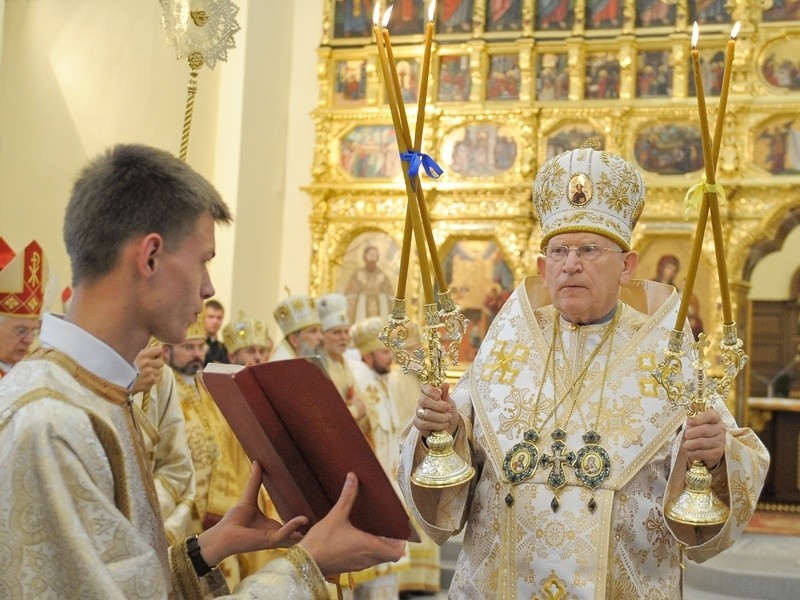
[{"x": 576, "y": 447}]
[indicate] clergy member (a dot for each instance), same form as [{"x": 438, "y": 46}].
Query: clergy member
[
  {"x": 298, "y": 319},
  {"x": 157, "y": 408},
  {"x": 22, "y": 286},
  {"x": 576, "y": 447},
  {"x": 221, "y": 466},
  {"x": 247, "y": 341}
]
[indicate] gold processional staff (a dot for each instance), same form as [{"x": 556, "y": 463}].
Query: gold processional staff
[{"x": 201, "y": 31}]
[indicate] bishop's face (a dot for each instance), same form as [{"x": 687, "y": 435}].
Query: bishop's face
[
  {"x": 336, "y": 339},
  {"x": 586, "y": 291}
]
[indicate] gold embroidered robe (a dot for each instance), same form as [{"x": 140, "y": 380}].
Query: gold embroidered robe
[
  {"x": 222, "y": 469},
  {"x": 520, "y": 547},
  {"x": 164, "y": 434},
  {"x": 424, "y": 572},
  {"x": 79, "y": 516}
]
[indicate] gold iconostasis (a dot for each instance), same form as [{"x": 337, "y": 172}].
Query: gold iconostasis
[{"x": 515, "y": 82}]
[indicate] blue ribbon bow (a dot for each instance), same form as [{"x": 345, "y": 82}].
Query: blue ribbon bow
[{"x": 417, "y": 159}]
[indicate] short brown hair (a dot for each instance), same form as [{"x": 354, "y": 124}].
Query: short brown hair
[
  {"x": 215, "y": 304},
  {"x": 133, "y": 190}
]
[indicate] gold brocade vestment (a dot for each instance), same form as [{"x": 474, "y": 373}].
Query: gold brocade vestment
[
  {"x": 78, "y": 512},
  {"x": 515, "y": 544},
  {"x": 222, "y": 469}
]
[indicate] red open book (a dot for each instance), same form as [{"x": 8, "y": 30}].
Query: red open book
[{"x": 290, "y": 418}]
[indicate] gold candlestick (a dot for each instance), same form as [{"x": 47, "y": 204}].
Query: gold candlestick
[
  {"x": 698, "y": 505},
  {"x": 441, "y": 467}
]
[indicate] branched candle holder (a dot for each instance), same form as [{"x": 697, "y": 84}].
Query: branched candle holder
[
  {"x": 697, "y": 504},
  {"x": 445, "y": 325}
]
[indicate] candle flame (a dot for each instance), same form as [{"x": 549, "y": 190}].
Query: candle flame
[
  {"x": 695, "y": 34},
  {"x": 735, "y": 30},
  {"x": 431, "y": 10},
  {"x": 386, "y": 16},
  {"x": 376, "y": 13}
]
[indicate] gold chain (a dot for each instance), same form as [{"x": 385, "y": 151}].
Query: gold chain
[{"x": 579, "y": 379}]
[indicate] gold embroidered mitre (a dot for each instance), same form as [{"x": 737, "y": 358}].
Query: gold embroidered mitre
[
  {"x": 22, "y": 281},
  {"x": 197, "y": 330},
  {"x": 295, "y": 313},
  {"x": 332, "y": 311},
  {"x": 588, "y": 190},
  {"x": 365, "y": 335},
  {"x": 244, "y": 332}
]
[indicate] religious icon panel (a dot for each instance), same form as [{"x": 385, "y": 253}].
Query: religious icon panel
[
  {"x": 665, "y": 258},
  {"x": 455, "y": 16},
  {"x": 481, "y": 281},
  {"x": 503, "y": 15},
  {"x": 669, "y": 149},
  {"x": 368, "y": 275},
  {"x": 782, "y": 10},
  {"x": 479, "y": 150},
  {"x": 709, "y": 12},
  {"x": 654, "y": 74},
  {"x": 712, "y": 66},
  {"x": 504, "y": 77},
  {"x": 776, "y": 145},
  {"x": 779, "y": 64},
  {"x": 604, "y": 14},
  {"x": 352, "y": 18},
  {"x": 454, "y": 80},
  {"x": 602, "y": 76},
  {"x": 552, "y": 77},
  {"x": 572, "y": 135},
  {"x": 408, "y": 17},
  {"x": 351, "y": 83},
  {"x": 370, "y": 152},
  {"x": 655, "y": 13},
  {"x": 554, "y": 15}
]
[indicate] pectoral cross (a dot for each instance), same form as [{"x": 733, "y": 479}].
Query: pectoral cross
[{"x": 556, "y": 479}]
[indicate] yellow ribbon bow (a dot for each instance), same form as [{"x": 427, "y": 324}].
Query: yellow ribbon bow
[{"x": 695, "y": 193}]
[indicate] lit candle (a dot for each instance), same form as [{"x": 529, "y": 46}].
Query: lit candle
[
  {"x": 713, "y": 201},
  {"x": 423, "y": 84},
  {"x": 701, "y": 106},
  {"x": 394, "y": 80},
  {"x": 694, "y": 260},
  {"x": 391, "y": 97},
  {"x": 400, "y": 122},
  {"x": 723, "y": 93}
]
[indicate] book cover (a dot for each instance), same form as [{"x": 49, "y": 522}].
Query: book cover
[{"x": 289, "y": 417}]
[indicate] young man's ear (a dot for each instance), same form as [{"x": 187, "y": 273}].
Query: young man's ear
[{"x": 149, "y": 252}]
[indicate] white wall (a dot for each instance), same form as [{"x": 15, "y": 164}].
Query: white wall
[
  {"x": 772, "y": 276},
  {"x": 78, "y": 76},
  {"x": 75, "y": 78}
]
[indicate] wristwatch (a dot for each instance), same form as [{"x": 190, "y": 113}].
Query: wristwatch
[{"x": 198, "y": 562}]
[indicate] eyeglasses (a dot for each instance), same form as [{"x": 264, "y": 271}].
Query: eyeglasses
[
  {"x": 588, "y": 252},
  {"x": 22, "y": 332}
]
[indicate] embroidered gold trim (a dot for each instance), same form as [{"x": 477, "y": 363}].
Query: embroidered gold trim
[{"x": 308, "y": 570}]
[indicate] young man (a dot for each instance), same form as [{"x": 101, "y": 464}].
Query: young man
[
  {"x": 214, "y": 313},
  {"x": 78, "y": 511},
  {"x": 576, "y": 445}
]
